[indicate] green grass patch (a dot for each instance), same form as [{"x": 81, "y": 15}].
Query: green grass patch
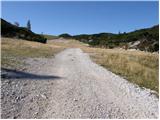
[{"x": 50, "y": 37}]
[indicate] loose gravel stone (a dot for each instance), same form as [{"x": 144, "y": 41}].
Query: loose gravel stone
[{"x": 72, "y": 86}]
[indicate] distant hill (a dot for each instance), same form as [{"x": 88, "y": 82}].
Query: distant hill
[
  {"x": 12, "y": 31},
  {"x": 144, "y": 39},
  {"x": 65, "y": 35},
  {"x": 50, "y": 37}
]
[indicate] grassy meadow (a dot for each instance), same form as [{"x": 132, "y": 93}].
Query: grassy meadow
[
  {"x": 50, "y": 37},
  {"x": 14, "y": 51},
  {"x": 136, "y": 66}
]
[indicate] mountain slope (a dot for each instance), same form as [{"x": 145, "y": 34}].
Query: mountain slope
[
  {"x": 144, "y": 39},
  {"x": 9, "y": 30}
]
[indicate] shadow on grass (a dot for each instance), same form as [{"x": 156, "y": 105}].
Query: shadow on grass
[{"x": 15, "y": 74}]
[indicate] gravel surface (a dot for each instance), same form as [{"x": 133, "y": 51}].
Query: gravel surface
[{"x": 72, "y": 86}]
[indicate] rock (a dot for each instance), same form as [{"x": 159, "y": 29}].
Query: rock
[
  {"x": 18, "y": 98},
  {"x": 43, "y": 96},
  {"x": 75, "y": 100}
]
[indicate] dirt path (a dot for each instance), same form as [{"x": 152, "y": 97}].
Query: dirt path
[{"x": 72, "y": 86}]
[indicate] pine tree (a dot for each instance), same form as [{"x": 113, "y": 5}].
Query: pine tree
[
  {"x": 16, "y": 24},
  {"x": 28, "y": 25}
]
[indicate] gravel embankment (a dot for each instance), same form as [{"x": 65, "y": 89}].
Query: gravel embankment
[{"x": 72, "y": 86}]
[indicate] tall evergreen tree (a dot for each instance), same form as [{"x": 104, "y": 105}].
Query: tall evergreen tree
[
  {"x": 16, "y": 24},
  {"x": 29, "y": 25}
]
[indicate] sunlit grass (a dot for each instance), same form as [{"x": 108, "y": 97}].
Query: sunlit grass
[
  {"x": 13, "y": 51},
  {"x": 136, "y": 66}
]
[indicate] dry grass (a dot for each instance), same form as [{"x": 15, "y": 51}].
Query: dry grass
[
  {"x": 13, "y": 51},
  {"x": 136, "y": 66}
]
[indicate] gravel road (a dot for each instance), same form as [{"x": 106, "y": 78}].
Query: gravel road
[{"x": 72, "y": 86}]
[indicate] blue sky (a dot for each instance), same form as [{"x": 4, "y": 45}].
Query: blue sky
[{"x": 82, "y": 17}]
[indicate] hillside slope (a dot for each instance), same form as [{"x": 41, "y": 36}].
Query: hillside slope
[
  {"x": 144, "y": 39},
  {"x": 12, "y": 31}
]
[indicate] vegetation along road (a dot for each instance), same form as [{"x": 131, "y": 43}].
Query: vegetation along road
[{"x": 70, "y": 85}]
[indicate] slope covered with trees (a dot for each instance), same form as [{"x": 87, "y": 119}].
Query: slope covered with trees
[
  {"x": 13, "y": 31},
  {"x": 143, "y": 39}
]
